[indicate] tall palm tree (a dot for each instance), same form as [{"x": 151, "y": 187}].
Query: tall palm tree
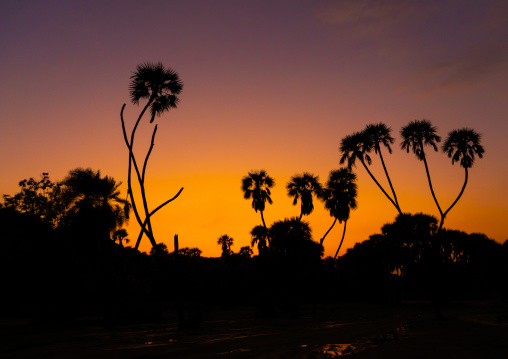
[
  {"x": 160, "y": 87},
  {"x": 339, "y": 196},
  {"x": 357, "y": 147},
  {"x": 462, "y": 146},
  {"x": 92, "y": 197},
  {"x": 415, "y": 135},
  {"x": 226, "y": 242},
  {"x": 259, "y": 235},
  {"x": 380, "y": 134},
  {"x": 303, "y": 187},
  {"x": 256, "y": 185}
]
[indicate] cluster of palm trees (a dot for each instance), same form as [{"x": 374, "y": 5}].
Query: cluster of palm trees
[
  {"x": 340, "y": 191},
  {"x": 461, "y": 145},
  {"x": 338, "y": 195}
]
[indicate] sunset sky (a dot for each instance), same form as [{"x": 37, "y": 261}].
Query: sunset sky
[{"x": 271, "y": 85}]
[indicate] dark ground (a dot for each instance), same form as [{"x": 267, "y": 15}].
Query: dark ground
[{"x": 408, "y": 330}]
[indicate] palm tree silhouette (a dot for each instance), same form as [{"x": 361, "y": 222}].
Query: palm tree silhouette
[
  {"x": 120, "y": 236},
  {"x": 304, "y": 187},
  {"x": 380, "y": 134},
  {"x": 357, "y": 146},
  {"x": 462, "y": 146},
  {"x": 87, "y": 193},
  {"x": 160, "y": 87},
  {"x": 339, "y": 196},
  {"x": 226, "y": 242},
  {"x": 256, "y": 185},
  {"x": 259, "y": 235},
  {"x": 415, "y": 135}
]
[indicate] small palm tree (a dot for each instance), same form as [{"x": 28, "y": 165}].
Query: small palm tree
[
  {"x": 256, "y": 185},
  {"x": 259, "y": 235},
  {"x": 304, "y": 187},
  {"x": 339, "y": 196},
  {"x": 226, "y": 242},
  {"x": 120, "y": 236},
  {"x": 377, "y": 135},
  {"x": 415, "y": 136},
  {"x": 462, "y": 146},
  {"x": 357, "y": 147}
]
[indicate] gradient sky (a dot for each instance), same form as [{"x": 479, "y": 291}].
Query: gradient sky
[{"x": 271, "y": 85}]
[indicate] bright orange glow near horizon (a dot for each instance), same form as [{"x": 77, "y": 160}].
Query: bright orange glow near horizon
[{"x": 267, "y": 85}]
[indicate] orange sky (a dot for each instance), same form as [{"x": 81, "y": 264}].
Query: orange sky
[{"x": 266, "y": 86}]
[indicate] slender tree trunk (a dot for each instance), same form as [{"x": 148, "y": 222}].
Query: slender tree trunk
[
  {"x": 328, "y": 231},
  {"x": 430, "y": 182},
  {"x": 396, "y": 204},
  {"x": 380, "y": 187},
  {"x": 342, "y": 240},
  {"x": 456, "y": 200},
  {"x": 263, "y": 219},
  {"x": 178, "y": 302}
]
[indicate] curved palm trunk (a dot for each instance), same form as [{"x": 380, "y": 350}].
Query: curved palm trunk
[
  {"x": 430, "y": 183},
  {"x": 396, "y": 204},
  {"x": 380, "y": 187},
  {"x": 456, "y": 200},
  {"x": 328, "y": 231},
  {"x": 342, "y": 240},
  {"x": 263, "y": 219}
]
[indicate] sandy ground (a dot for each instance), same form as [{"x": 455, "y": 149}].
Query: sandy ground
[{"x": 410, "y": 330}]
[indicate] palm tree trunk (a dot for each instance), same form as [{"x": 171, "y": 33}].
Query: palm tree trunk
[
  {"x": 263, "y": 219},
  {"x": 389, "y": 181},
  {"x": 430, "y": 182},
  {"x": 328, "y": 231},
  {"x": 456, "y": 200},
  {"x": 380, "y": 187},
  {"x": 342, "y": 240}
]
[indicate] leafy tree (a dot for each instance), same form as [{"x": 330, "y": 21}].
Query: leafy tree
[
  {"x": 415, "y": 136},
  {"x": 160, "y": 88},
  {"x": 256, "y": 185},
  {"x": 41, "y": 198},
  {"x": 225, "y": 242},
  {"x": 357, "y": 147},
  {"x": 377, "y": 135},
  {"x": 260, "y": 235},
  {"x": 462, "y": 146},
  {"x": 339, "y": 196},
  {"x": 303, "y": 187}
]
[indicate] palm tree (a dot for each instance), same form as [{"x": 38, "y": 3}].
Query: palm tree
[
  {"x": 226, "y": 242},
  {"x": 160, "y": 87},
  {"x": 256, "y": 185},
  {"x": 90, "y": 197},
  {"x": 462, "y": 146},
  {"x": 358, "y": 146},
  {"x": 303, "y": 187},
  {"x": 339, "y": 196},
  {"x": 380, "y": 134},
  {"x": 415, "y": 136},
  {"x": 120, "y": 236},
  {"x": 259, "y": 235}
]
